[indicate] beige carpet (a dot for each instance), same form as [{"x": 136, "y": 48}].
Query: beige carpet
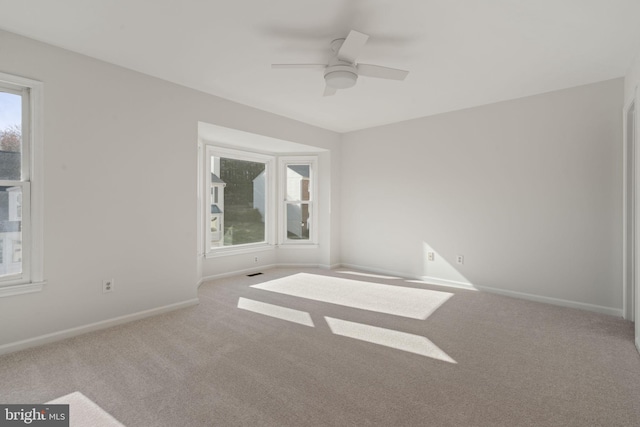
[
  {"x": 316, "y": 348},
  {"x": 85, "y": 413}
]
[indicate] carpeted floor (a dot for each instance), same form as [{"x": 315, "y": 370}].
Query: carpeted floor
[{"x": 325, "y": 348}]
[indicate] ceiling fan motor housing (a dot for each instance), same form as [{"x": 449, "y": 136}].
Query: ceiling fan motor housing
[{"x": 341, "y": 76}]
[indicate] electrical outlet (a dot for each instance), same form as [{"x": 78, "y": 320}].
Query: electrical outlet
[
  {"x": 431, "y": 256},
  {"x": 460, "y": 259},
  {"x": 107, "y": 285}
]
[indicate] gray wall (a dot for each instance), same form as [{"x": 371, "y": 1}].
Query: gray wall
[
  {"x": 120, "y": 187},
  {"x": 529, "y": 191}
]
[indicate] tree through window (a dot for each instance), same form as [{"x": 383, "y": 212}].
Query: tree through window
[
  {"x": 21, "y": 267},
  {"x": 238, "y": 199}
]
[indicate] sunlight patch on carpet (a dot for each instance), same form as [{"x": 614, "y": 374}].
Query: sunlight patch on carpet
[
  {"x": 84, "y": 412},
  {"x": 397, "y": 300},
  {"x": 272, "y": 310},
  {"x": 389, "y": 338}
]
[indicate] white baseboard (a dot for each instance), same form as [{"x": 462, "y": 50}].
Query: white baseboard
[
  {"x": 617, "y": 312},
  {"x": 299, "y": 265},
  {"x": 449, "y": 283},
  {"x": 237, "y": 273},
  {"x": 263, "y": 268},
  {"x": 373, "y": 270},
  {"x": 72, "y": 332}
]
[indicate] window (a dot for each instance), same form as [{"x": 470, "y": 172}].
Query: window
[
  {"x": 249, "y": 205},
  {"x": 15, "y": 203},
  {"x": 239, "y": 205},
  {"x": 298, "y": 214},
  {"x": 17, "y": 252},
  {"x": 20, "y": 194}
]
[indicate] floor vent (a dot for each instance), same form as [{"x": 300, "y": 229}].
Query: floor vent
[{"x": 254, "y": 274}]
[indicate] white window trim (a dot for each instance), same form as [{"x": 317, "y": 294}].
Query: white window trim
[
  {"x": 270, "y": 216},
  {"x": 284, "y": 161},
  {"x": 32, "y": 278}
]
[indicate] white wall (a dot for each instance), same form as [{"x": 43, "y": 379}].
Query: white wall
[
  {"x": 120, "y": 187},
  {"x": 529, "y": 191}
]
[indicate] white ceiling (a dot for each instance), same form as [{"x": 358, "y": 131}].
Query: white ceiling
[
  {"x": 234, "y": 138},
  {"x": 461, "y": 53}
]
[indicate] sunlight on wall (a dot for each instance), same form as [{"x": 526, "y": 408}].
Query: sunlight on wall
[
  {"x": 283, "y": 313},
  {"x": 440, "y": 271},
  {"x": 389, "y": 338},
  {"x": 397, "y": 300}
]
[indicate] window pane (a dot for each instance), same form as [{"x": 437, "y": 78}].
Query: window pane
[
  {"x": 11, "y": 230},
  {"x": 298, "y": 182},
  {"x": 298, "y": 222},
  {"x": 10, "y": 135},
  {"x": 244, "y": 201}
]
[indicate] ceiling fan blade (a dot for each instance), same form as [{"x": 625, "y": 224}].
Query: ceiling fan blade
[
  {"x": 352, "y": 46},
  {"x": 298, "y": 66},
  {"x": 380, "y": 72},
  {"x": 329, "y": 91}
]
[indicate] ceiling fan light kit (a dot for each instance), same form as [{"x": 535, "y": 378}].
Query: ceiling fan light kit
[
  {"x": 340, "y": 76},
  {"x": 342, "y": 71}
]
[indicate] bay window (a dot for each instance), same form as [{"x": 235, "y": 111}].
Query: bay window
[{"x": 241, "y": 194}]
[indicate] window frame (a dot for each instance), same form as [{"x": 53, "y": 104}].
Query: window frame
[
  {"x": 283, "y": 163},
  {"x": 31, "y": 182},
  {"x": 270, "y": 216}
]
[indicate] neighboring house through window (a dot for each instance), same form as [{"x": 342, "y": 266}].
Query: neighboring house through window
[
  {"x": 20, "y": 194},
  {"x": 298, "y": 187},
  {"x": 237, "y": 200},
  {"x": 240, "y": 193}
]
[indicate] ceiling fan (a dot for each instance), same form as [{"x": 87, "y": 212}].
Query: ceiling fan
[{"x": 342, "y": 71}]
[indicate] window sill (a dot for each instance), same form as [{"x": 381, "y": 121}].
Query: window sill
[
  {"x": 27, "y": 288},
  {"x": 229, "y": 251}
]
